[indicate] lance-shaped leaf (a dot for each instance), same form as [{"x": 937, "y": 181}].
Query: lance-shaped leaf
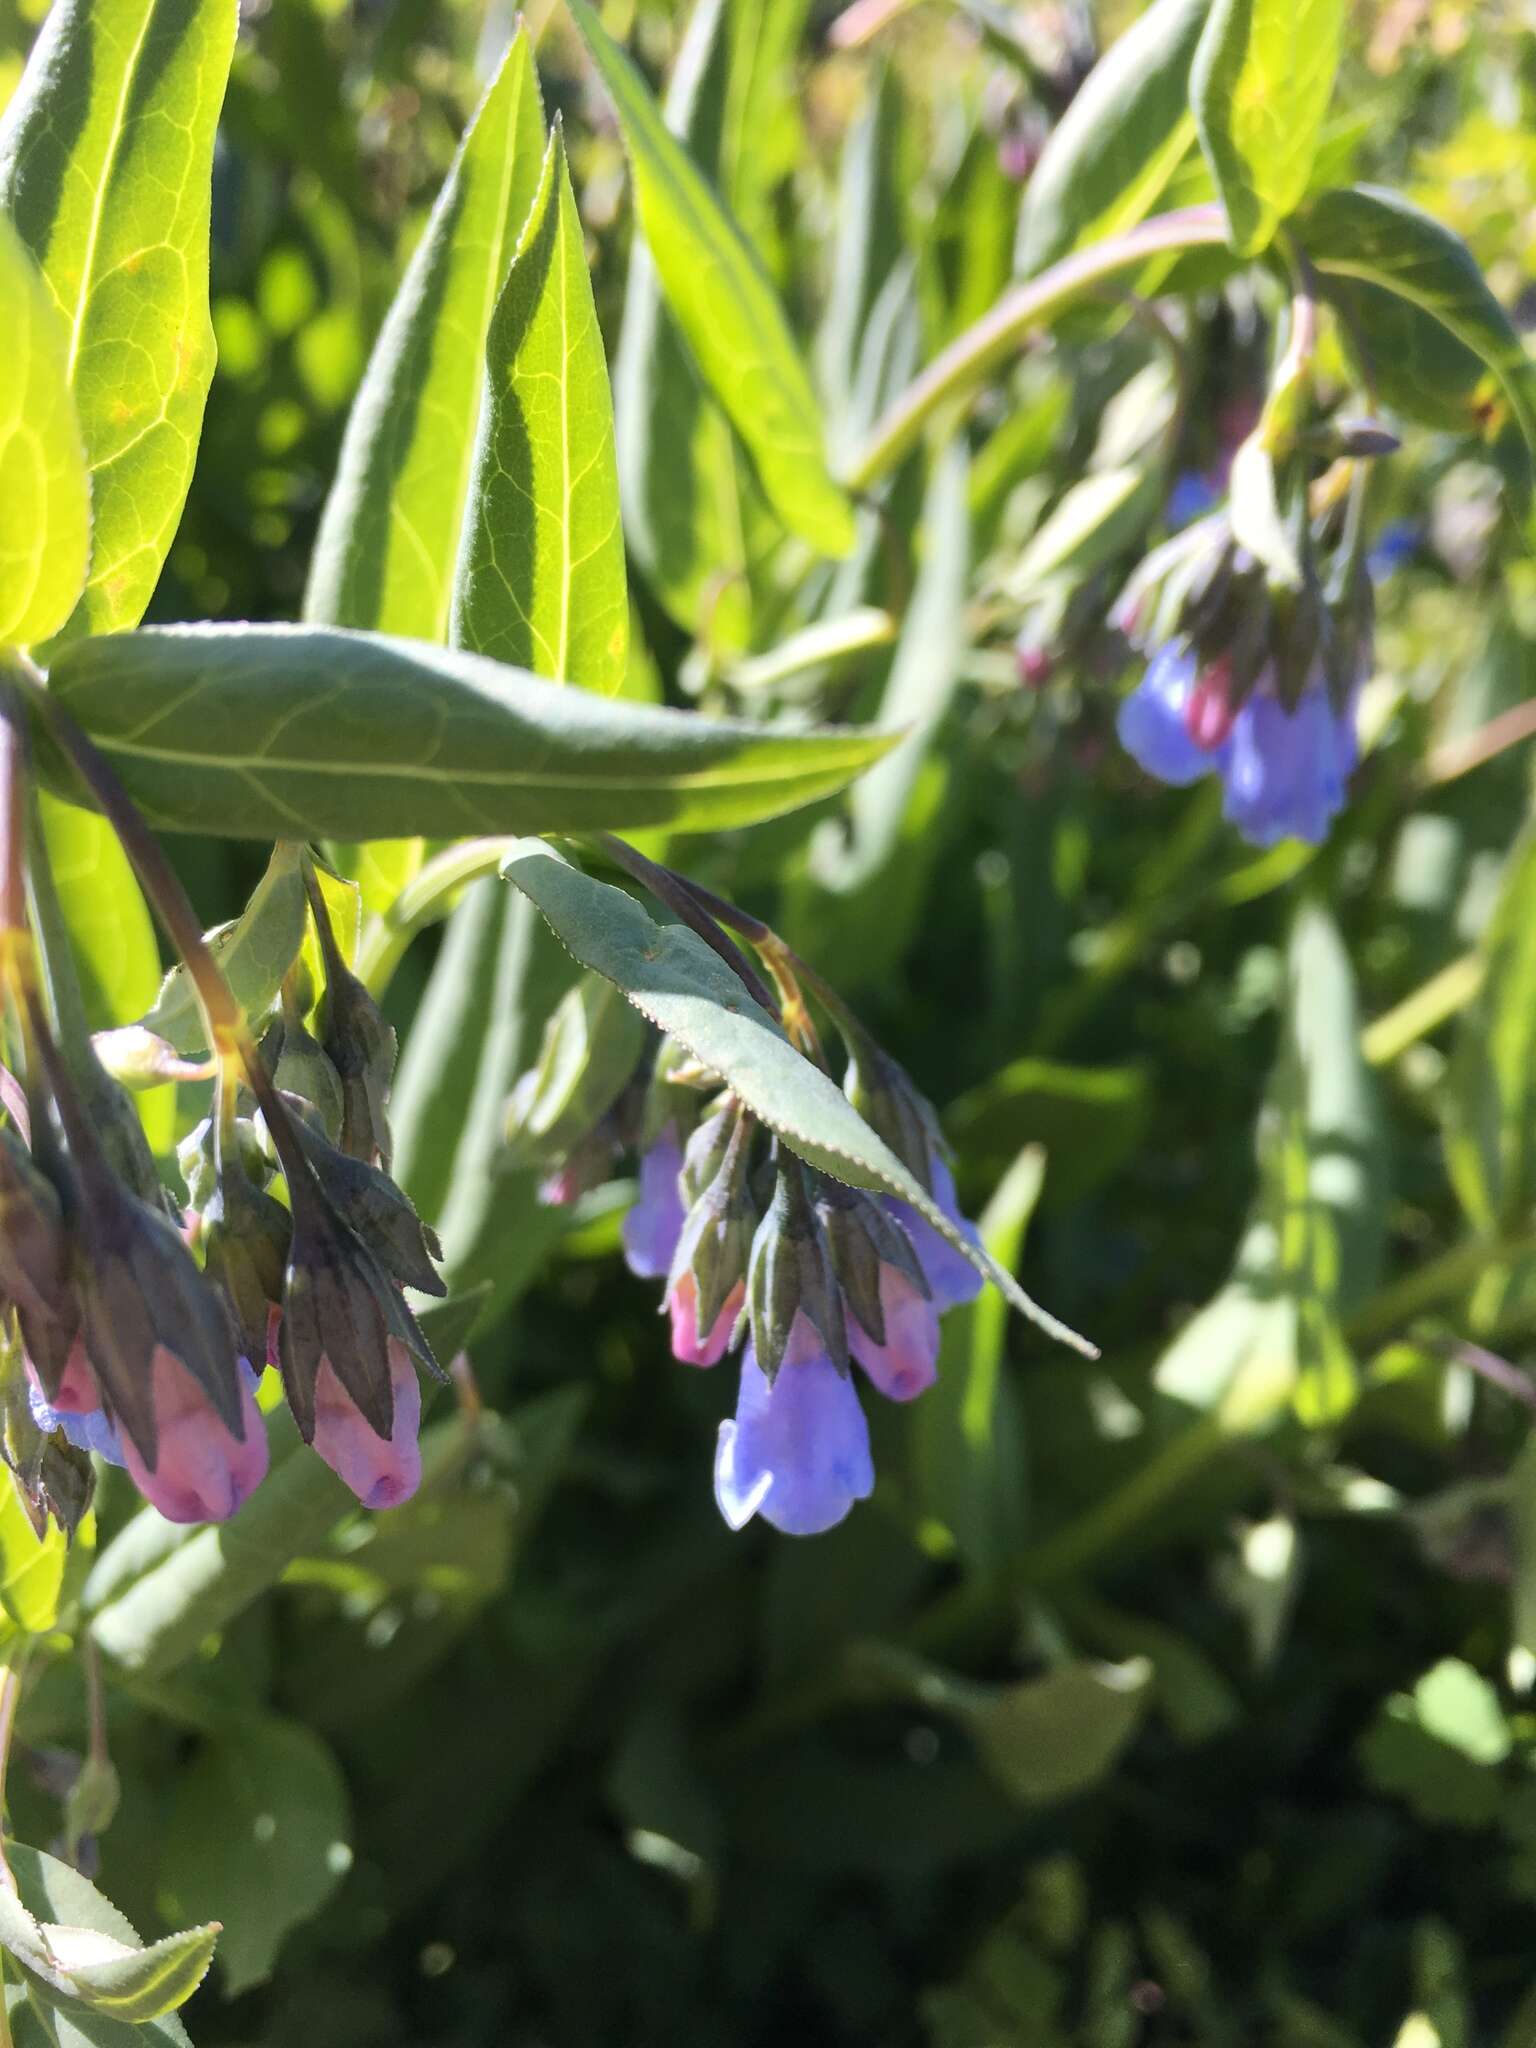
[
  {"x": 274, "y": 731},
  {"x": 254, "y": 951},
  {"x": 687, "y": 991},
  {"x": 390, "y": 536},
  {"x": 1381, "y": 239},
  {"x": 686, "y": 489},
  {"x": 1119, "y": 142},
  {"x": 541, "y": 572},
  {"x": 45, "y": 500},
  {"x": 106, "y": 155},
  {"x": 1260, "y": 86},
  {"x": 726, "y": 308}
]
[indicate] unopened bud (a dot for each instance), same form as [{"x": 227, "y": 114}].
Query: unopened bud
[
  {"x": 34, "y": 1259},
  {"x": 790, "y": 1273},
  {"x": 865, "y": 1241},
  {"x": 707, "y": 1283},
  {"x": 884, "y": 1095},
  {"x": 591, "y": 1046},
  {"x": 379, "y": 1212}
]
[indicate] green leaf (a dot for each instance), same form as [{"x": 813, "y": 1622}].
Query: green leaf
[
  {"x": 31, "y": 1567},
  {"x": 254, "y": 951},
  {"x": 111, "y": 935},
  {"x": 967, "y": 1435},
  {"x": 1044, "y": 1739},
  {"x": 273, "y": 731},
  {"x": 101, "y": 1973},
  {"x": 727, "y": 309},
  {"x": 1260, "y": 86},
  {"x": 58, "y": 1897},
  {"x": 540, "y": 581},
  {"x": 868, "y": 245},
  {"x": 1415, "y": 366},
  {"x": 921, "y": 684},
  {"x": 1313, "y": 1247},
  {"x": 106, "y": 155},
  {"x": 158, "y": 1590},
  {"x": 496, "y": 977},
  {"x": 1119, "y": 142},
  {"x": 390, "y": 536},
  {"x": 1490, "y": 1103},
  {"x": 258, "y": 1834},
  {"x": 1093, "y": 521},
  {"x": 693, "y": 513},
  {"x": 45, "y": 497},
  {"x": 687, "y": 991},
  {"x": 1381, "y": 239}
]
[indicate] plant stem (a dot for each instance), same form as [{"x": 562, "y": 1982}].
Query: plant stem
[
  {"x": 1453, "y": 758},
  {"x": 1440, "y": 1280},
  {"x": 11, "y": 1682},
  {"x": 679, "y": 894},
  {"x": 1417, "y": 1015},
  {"x": 984, "y": 347},
  {"x": 423, "y": 900},
  {"x": 1075, "y": 1546}
]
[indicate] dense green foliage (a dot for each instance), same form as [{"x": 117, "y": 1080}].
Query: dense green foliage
[{"x": 1184, "y": 1695}]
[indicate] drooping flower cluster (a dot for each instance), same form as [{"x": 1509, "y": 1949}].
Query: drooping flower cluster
[
  {"x": 1256, "y": 685},
  {"x": 808, "y": 1276},
  {"x": 139, "y": 1330}
]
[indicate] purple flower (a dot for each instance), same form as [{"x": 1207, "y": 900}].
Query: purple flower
[
  {"x": 88, "y": 1429},
  {"x": 1192, "y": 496},
  {"x": 797, "y": 1452},
  {"x": 381, "y": 1471},
  {"x": 1152, "y": 720},
  {"x": 1284, "y": 773},
  {"x": 682, "y": 1304},
  {"x": 1395, "y": 544},
  {"x": 907, "y": 1363},
  {"x": 951, "y": 1277},
  {"x": 655, "y": 1223},
  {"x": 202, "y": 1470}
]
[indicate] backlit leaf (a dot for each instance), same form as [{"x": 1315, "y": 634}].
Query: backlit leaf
[{"x": 106, "y": 156}]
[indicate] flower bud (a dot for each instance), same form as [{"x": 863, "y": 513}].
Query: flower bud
[
  {"x": 708, "y": 1279},
  {"x": 951, "y": 1277},
  {"x": 383, "y": 1471},
  {"x": 883, "y": 1094},
  {"x": 245, "y": 1252},
  {"x": 34, "y": 1259},
  {"x": 302, "y": 1067},
  {"x": 589, "y": 1052},
  {"x": 893, "y": 1325},
  {"x": 379, "y": 1212},
  {"x": 360, "y": 1043},
  {"x": 86, "y": 1426},
  {"x": 202, "y": 1469},
  {"x": 790, "y": 1274},
  {"x": 143, "y": 1301},
  {"x": 797, "y": 1451},
  {"x": 340, "y": 1311}
]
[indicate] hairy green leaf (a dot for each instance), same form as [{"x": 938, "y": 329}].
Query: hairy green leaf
[
  {"x": 1260, "y": 86},
  {"x": 687, "y": 991},
  {"x": 540, "y": 581},
  {"x": 258, "y": 1833},
  {"x": 389, "y": 540},
  {"x": 119, "y": 1980},
  {"x": 45, "y": 500},
  {"x": 58, "y": 1899},
  {"x": 267, "y": 731},
  {"x": 106, "y": 156},
  {"x": 727, "y": 309},
  {"x": 1119, "y": 142},
  {"x": 1382, "y": 239}
]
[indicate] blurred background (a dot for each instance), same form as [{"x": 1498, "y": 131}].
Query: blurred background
[{"x": 1183, "y": 1698}]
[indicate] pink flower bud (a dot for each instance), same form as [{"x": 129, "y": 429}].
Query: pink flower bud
[
  {"x": 908, "y": 1361},
  {"x": 1208, "y": 712},
  {"x": 78, "y": 1393},
  {"x": 203, "y": 1472},
  {"x": 683, "y": 1304},
  {"x": 381, "y": 1471}
]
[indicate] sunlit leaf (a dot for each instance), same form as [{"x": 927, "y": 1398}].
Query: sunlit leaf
[{"x": 45, "y": 509}]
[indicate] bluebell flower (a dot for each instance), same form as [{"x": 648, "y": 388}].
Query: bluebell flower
[
  {"x": 87, "y": 1429},
  {"x": 1284, "y": 773},
  {"x": 655, "y": 1223},
  {"x": 951, "y": 1277},
  {"x": 797, "y": 1452},
  {"x": 1191, "y": 497}
]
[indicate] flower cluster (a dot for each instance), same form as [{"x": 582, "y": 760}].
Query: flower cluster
[
  {"x": 1256, "y": 685},
  {"x": 809, "y": 1276},
  {"x": 138, "y": 1329}
]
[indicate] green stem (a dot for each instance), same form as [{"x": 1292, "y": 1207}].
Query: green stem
[
  {"x": 1417, "y": 1015},
  {"x": 1080, "y": 1542},
  {"x": 422, "y": 902},
  {"x": 1441, "y": 1280},
  {"x": 983, "y": 348}
]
